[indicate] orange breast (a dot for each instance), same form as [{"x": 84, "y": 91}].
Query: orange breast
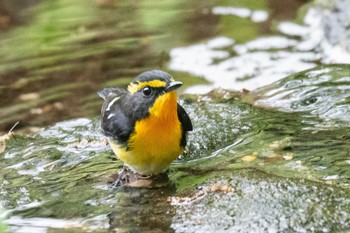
[{"x": 155, "y": 142}]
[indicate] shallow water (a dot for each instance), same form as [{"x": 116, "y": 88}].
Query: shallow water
[
  {"x": 274, "y": 158},
  {"x": 249, "y": 166},
  {"x": 55, "y": 58}
]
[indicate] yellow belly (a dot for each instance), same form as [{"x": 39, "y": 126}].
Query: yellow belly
[{"x": 155, "y": 142}]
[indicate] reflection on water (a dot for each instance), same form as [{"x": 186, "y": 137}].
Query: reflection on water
[
  {"x": 256, "y": 16},
  {"x": 52, "y": 66},
  {"x": 148, "y": 211},
  {"x": 251, "y": 64}
]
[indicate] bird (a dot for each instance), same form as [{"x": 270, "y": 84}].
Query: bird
[{"x": 145, "y": 125}]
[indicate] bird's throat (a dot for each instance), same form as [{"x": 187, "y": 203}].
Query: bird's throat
[{"x": 165, "y": 107}]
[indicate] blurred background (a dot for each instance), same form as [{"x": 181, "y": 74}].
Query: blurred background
[{"x": 55, "y": 55}]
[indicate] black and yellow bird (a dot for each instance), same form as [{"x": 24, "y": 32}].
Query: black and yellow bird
[{"x": 145, "y": 125}]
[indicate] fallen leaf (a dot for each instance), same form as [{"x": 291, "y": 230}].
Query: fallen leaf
[{"x": 248, "y": 158}]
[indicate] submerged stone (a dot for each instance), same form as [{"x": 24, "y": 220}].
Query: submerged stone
[{"x": 263, "y": 203}]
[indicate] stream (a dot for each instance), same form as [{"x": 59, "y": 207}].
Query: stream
[{"x": 268, "y": 92}]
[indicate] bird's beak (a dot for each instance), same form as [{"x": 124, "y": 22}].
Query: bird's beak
[{"x": 173, "y": 86}]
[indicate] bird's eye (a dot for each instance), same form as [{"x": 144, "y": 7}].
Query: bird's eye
[{"x": 146, "y": 91}]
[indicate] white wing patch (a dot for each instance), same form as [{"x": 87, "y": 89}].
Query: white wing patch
[
  {"x": 111, "y": 103},
  {"x": 110, "y": 116}
]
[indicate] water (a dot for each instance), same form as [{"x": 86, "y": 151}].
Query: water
[
  {"x": 274, "y": 158},
  {"x": 285, "y": 166},
  {"x": 56, "y": 57}
]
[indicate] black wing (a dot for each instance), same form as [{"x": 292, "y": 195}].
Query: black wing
[
  {"x": 115, "y": 122},
  {"x": 184, "y": 118},
  {"x": 185, "y": 122}
]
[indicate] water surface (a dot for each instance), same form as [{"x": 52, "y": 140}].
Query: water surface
[
  {"x": 56, "y": 55},
  {"x": 288, "y": 166},
  {"x": 274, "y": 158}
]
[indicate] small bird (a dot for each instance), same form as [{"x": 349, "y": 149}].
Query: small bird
[{"x": 146, "y": 127}]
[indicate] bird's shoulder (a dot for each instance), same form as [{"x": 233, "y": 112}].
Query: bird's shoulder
[
  {"x": 113, "y": 98},
  {"x": 116, "y": 122}
]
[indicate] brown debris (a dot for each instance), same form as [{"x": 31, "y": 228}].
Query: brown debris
[{"x": 214, "y": 188}]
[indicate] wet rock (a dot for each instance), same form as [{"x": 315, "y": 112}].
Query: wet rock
[{"x": 264, "y": 204}]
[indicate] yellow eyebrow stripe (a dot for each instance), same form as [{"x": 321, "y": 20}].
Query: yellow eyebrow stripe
[{"x": 134, "y": 87}]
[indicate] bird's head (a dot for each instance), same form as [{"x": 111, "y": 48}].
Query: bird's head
[{"x": 153, "y": 93}]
